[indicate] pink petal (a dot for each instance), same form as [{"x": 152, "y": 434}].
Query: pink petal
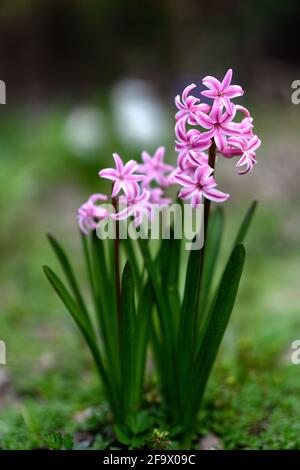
[
  {"x": 131, "y": 190},
  {"x": 204, "y": 120},
  {"x": 118, "y": 163},
  {"x": 227, "y": 79},
  {"x": 159, "y": 154},
  {"x": 130, "y": 167},
  {"x": 122, "y": 215},
  {"x": 186, "y": 193},
  {"x": 234, "y": 91},
  {"x": 203, "y": 172},
  {"x": 108, "y": 173},
  {"x": 227, "y": 104},
  {"x": 210, "y": 93},
  {"x": 116, "y": 189},
  {"x": 97, "y": 197},
  {"x": 215, "y": 195},
  {"x": 184, "y": 180},
  {"x": 220, "y": 140},
  {"x": 212, "y": 83},
  {"x": 197, "y": 199},
  {"x": 187, "y": 90}
]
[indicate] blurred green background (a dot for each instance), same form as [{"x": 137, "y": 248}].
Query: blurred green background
[{"x": 85, "y": 79}]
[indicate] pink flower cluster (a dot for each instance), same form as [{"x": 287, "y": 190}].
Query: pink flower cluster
[
  {"x": 133, "y": 194},
  {"x": 199, "y": 127},
  {"x": 211, "y": 125}
]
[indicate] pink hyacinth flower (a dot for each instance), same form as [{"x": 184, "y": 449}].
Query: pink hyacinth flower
[
  {"x": 157, "y": 197},
  {"x": 190, "y": 143},
  {"x": 123, "y": 177},
  {"x": 221, "y": 92},
  {"x": 154, "y": 167},
  {"x": 90, "y": 213},
  {"x": 138, "y": 207},
  {"x": 247, "y": 149},
  {"x": 189, "y": 105},
  {"x": 201, "y": 184},
  {"x": 220, "y": 124}
]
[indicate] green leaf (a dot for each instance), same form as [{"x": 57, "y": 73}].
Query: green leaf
[
  {"x": 143, "y": 323},
  {"x": 89, "y": 336},
  {"x": 169, "y": 257},
  {"x": 245, "y": 224},
  {"x": 89, "y": 268},
  {"x": 188, "y": 315},
  {"x": 127, "y": 338},
  {"x": 167, "y": 330},
  {"x": 212, "y": 248},
  {"x": 106, "y": 305},
  {"x": 66, "y": 266},
  {"x": 214, "y": 331},
  {"x": 71, "y": 305}
]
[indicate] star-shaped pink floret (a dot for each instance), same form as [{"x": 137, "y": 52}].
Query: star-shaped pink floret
[
  {"x": 157, "y": 197},
  {"x": 200, "y": 184},
  {"x": 123, "y": 177},
  {"x": 220, "y": 124},
  {"x": 154, "y": 167},
  {"x": 90, "y": 213},
  {"x": 221, "y": 92},
  {"x": 190, "y": 143},
  {"x": 189, "y": 105},
  {"x": 247, "y": 149}
]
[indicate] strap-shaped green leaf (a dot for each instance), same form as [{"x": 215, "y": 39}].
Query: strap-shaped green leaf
[
  {"x": 169, "y": 259},
  {"x": 245, "y": 224},
  {"x": 127, "y": 338},
  {"x": 188, "y": 315},
  {"x": 105, "y": 300},
  {"x": 212, "y": 249},
  {"x": 214, "y": 331},
  {"x": 67, "y": 268},
  {"x": 143, "y": 322},
  {"x": 167, "y": 330},
  {"x": 71, "y": 305},
  {"x": 89, "y": 336}
]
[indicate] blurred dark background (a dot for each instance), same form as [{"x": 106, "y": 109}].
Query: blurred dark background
[{"x": 50, "y": 49}]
